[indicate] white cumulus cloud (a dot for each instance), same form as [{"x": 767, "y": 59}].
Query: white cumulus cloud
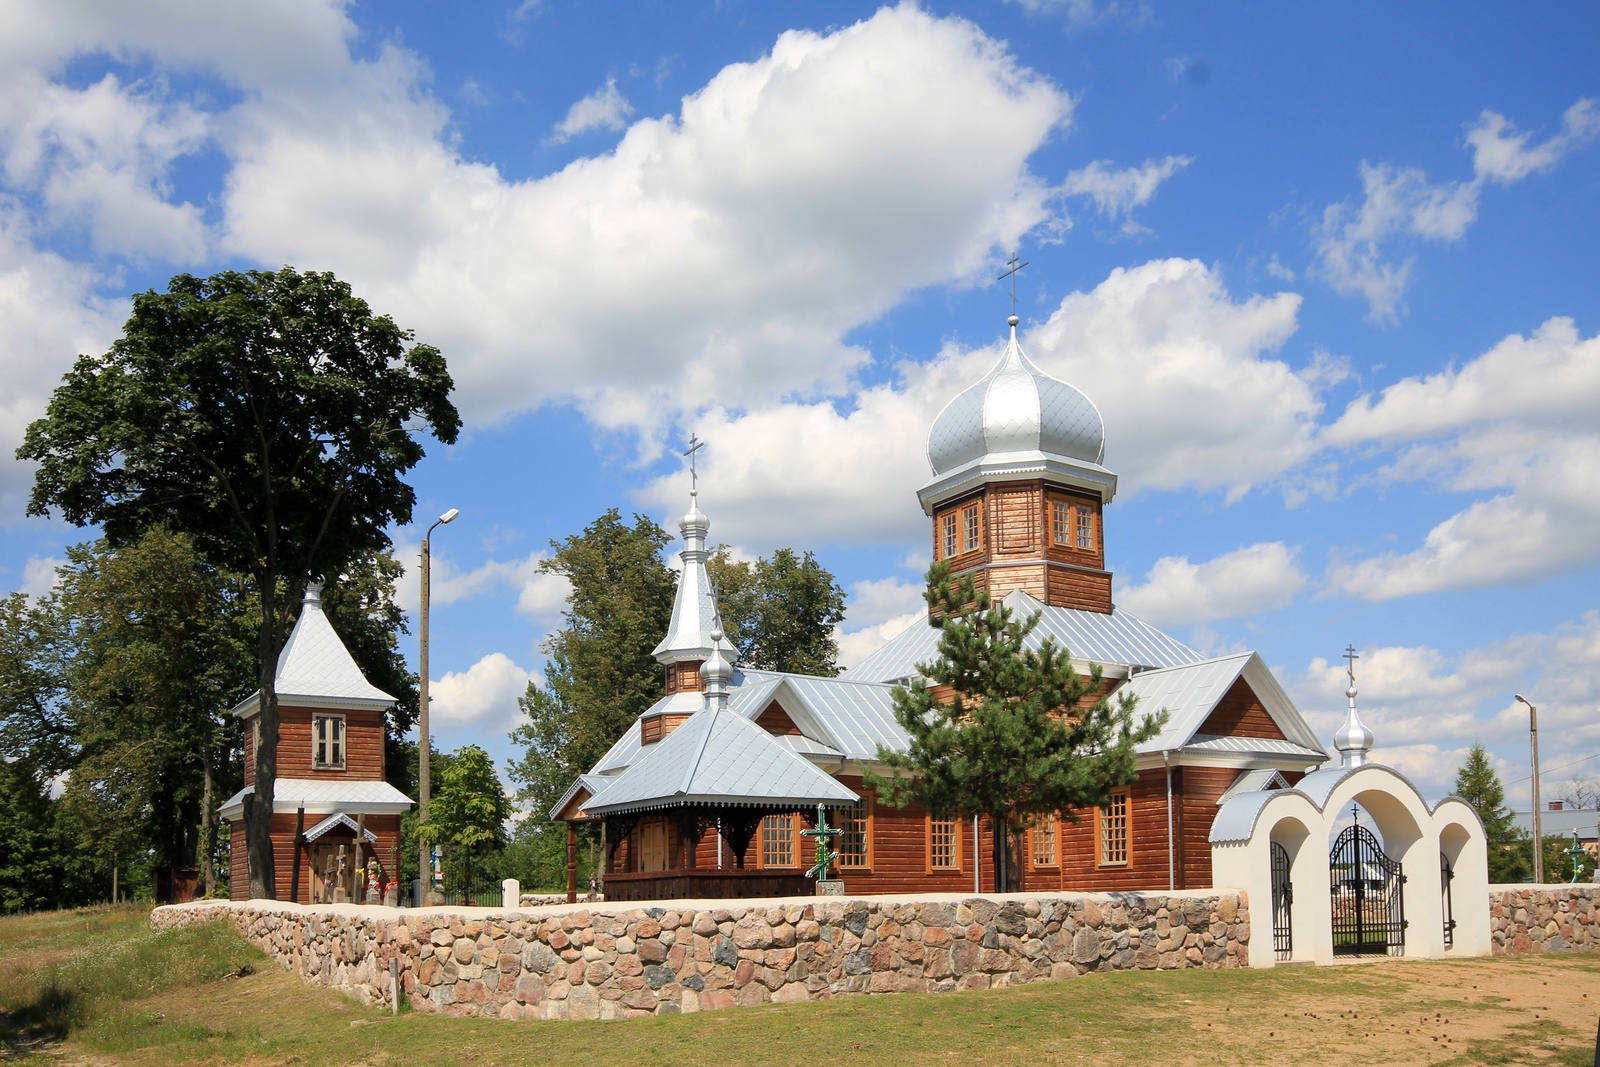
[
  {"x": 1182, "y": 371},
  {"x": 877, "y": 612},
  {"x": 1426, "y": 708},
  {"x": 1116, "y": 192},
  {"x": 604, "y": 109},
  {"x": 1254, "y": 579},
  {"x": 1522, "y": 421},
  {"x": 484, "y": 695}
]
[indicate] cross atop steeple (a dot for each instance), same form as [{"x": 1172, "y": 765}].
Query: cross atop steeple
[
  {"x": 695, "y": 445},
  {"x": 1350, "y": 654},
  {"x": 1015, "y": 264}
]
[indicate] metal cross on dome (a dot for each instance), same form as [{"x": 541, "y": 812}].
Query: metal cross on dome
[
  {"x": 1350, "y": 654},
  {"x": 695, "y": 445},
  {"x": 1015, "y": 266}
]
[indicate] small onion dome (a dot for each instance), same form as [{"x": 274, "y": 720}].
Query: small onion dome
[
  {"x": 1353, "y": 740},
  {"x": 716, "y": 670},
  {"x": 1016, "y": 408},
  {"x": 694, "y": 523}
]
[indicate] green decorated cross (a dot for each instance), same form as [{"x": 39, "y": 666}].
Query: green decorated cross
[
  {"x": 824, "y": 835},
  {"x": 1577, "y": 851}
]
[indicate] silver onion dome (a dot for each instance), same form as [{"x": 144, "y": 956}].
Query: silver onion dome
[{"x": 1016, "y": 408}]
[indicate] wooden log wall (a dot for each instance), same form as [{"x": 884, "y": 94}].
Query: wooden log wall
[{"x": 363, "y": 739}]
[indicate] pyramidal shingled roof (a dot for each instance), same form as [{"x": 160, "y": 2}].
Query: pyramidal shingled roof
[
  {"x": 315, "y": 669},
  {"x": 718, "y": 757}
]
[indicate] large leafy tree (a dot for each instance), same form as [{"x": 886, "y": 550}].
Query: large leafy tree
[
  {"x": 467, "y": 818},
  {"x": 780, "y": 612},
  {"x": 1021, "y": 734},
  {"x": 601, "y": 675},
  {"x": 1479, "y": 785},
  {"x": 268, "y": 415},
  {"x": 161, "y": 646}
]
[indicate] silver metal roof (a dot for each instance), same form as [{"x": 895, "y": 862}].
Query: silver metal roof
[
  {"x": 1119, "y": 638},
  {"x": 1236, "y": 818},
  {"x": 1254, "y": 781},
  {"x": 718, "y": 757},
  {"x": 1191, "y": 692},
  {"x": 315, "y": 669},
  {"x": 1563, "y": 822},
  {"x": 1254, "y": 746},
  {"x": 852, "y": 717},
  {"x": 338, "y": 818},
  {"x": 694, "y": 609},
  {"x": 1016, "y": 407},
  {"x": 322, "y": 795}
]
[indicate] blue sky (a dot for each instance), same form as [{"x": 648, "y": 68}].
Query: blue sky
[{"x": 1328, "y": 270}]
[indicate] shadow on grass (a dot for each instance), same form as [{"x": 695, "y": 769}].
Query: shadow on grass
[{"x": 49, "y": 1016}]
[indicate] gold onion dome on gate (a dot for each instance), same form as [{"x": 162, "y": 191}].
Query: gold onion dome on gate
[{"x": 1016, "y": 408}]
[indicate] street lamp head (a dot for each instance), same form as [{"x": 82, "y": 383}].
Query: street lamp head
[
  {"x": 1524, "y": 700},
  {"x": 449, "y": 516}
]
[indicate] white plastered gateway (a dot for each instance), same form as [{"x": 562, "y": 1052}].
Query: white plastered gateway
[{"x": 1303, "y": 819}]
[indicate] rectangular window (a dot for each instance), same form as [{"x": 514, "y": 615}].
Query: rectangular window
[
  {"x": 1086, "y": 528},
  {"x": 1061, "y": 522},
  {"x": 777, "y": 841},
  {"x": 970, "y": 530},
  {"x": 854, "y": 842},
  {"x": 951, "y": 546},
  {"x": 1044, "y": 841},
  {"x": 1113, "y": 830},
  {"x": 944, "y": 844},
  {"x": 327, "y": 741}
]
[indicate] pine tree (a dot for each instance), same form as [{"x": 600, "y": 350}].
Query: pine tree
[
  {"x": 1023, "y": 733},
  {"x": 1479, "y": 786}
]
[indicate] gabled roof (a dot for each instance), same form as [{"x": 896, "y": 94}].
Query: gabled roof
[
  {"x": 584, "y": 783},
  {"x": 852, "y": 717},
  {"x": 320, "y": 795},
  {"x": 315, "y": 669},
  {"x": 718, "y": 757},
  {"x": 1119, "y": 638},
  {"x": 1190, "y": 694},
  {"x": 337, "y": 819}
]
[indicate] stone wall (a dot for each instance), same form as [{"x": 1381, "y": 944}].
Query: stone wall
[
  {"x": 1546, "y": 918},
  {"x": 617, "y": 962}
]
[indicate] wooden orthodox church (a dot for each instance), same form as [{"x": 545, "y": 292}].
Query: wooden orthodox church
[
  {"x": 707, "y": 793},
  {"x": 332, "y": 810}
]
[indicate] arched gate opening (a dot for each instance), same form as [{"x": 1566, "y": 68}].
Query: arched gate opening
[{"x": 1367, "y": 891}]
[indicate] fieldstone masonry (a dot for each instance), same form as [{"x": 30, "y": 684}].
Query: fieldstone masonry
[
  {"x": 611, "y": 963},
  {"x": 1562, "y": 918}
]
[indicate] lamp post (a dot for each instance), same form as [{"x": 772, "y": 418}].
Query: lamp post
[
  {"x": 1538, "y": 824},
  {"x": 424, "y": 868}
]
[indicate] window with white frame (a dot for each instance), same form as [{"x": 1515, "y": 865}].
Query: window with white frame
[{"x": 327, "y": 742}]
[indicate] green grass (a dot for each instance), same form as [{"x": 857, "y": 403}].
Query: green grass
[
  {"x": 60, "y": 970},
  {"x": 121, "y": 993}
]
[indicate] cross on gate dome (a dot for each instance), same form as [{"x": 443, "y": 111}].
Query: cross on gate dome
[{"x": 1016, "y": 408}]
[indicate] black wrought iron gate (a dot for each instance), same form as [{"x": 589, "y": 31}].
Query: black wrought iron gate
[
  {"x": 1368, "y": 896},
  {"x": 1282, "y": 903},
  {"x": 1447, "y": 875}
]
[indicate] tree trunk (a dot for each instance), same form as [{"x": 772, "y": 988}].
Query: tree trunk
[
  {"x": 258, "y": 816},
  {"x": 208, "y": 823}
]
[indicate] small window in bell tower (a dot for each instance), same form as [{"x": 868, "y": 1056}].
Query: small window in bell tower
[
  {"x": 1085, "y": 528},
  {"x": 969, "y": 523},
  {"x": 949, "y": 531}
]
